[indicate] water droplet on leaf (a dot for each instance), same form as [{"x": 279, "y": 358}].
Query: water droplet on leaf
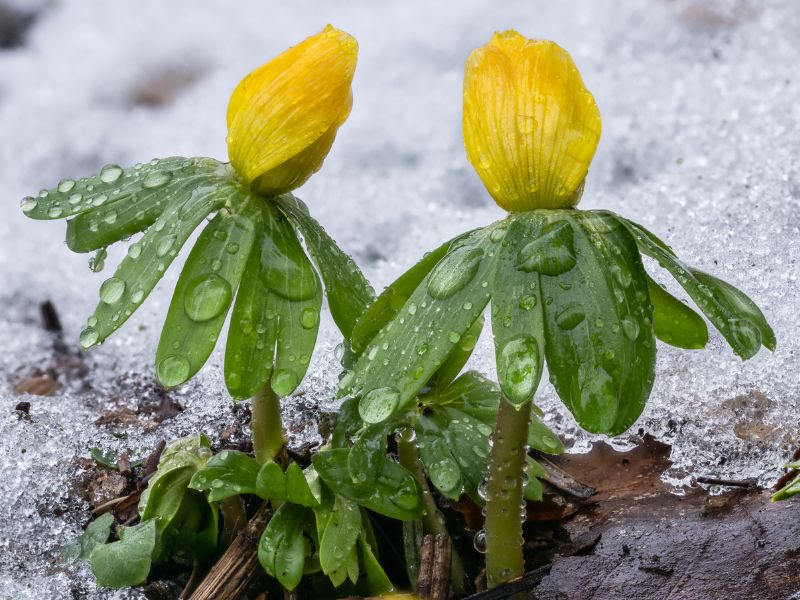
[
  {"x": 378, "y": 405},
  {"x": 111, "y": 290},
  {"x": 207, "y": 297}
]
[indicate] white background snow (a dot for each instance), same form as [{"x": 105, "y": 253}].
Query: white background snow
[{"x": 701, "y": 107}]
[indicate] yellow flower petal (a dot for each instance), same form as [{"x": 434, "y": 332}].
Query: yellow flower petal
[
  {"x": 283, "y": 117},
  {"x": 530, "y": 126}
]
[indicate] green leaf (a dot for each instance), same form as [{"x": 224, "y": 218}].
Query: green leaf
[
  {"x": 192, "y": 534},
  {"x": 394, "y": 298},
  {"x": 454, "y": 363},
  {"x": 533, "y": 486},
  {"x": 279, "y": 303},
  {"x": 96, "y": 533},
  {"x": 166, "y": 495},
  {"x": 394, "y": 492},
  {"x": 599, "y": 343},
  {"x": 226, "y": 474},
  {"x": 106, "y": 459},
  {"x": 204, "y": 292},
  {"x": 368, "y": 454},
  {"x": 790, "y": 489},
  {"x": 410, "y": 348},
  {"x": 123, "y": 216},
  {"x": 541, "y": 438},
  {"x": 271, "y": 482},
  {"x": 347, "y": 290},
  {"x": 340, "y": 535},
  {"x": 675, "y": 323},
  {"x": 282, "y": 548},
  {"x": 250, "y": 349},
  {"x": 518, "y": 309},
  {"x": 735, "y": 315},
  {"x": 348, "y": 422},
  {"x": 115, "y": 185},
  {"x": 298, "y": 488},
  {"x": 375, "y": 581},
  {"x": 126, "y": 562},
  {"x": 190, "y": 451},
  {"x": 148, "y": 259}
]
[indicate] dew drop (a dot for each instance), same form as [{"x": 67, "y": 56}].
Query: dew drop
[
  {"x": 88, "y": 338},
  {"x": 519, "y": 369},
  {"x": 66, "y": 185},
  {"x": 454, "y": 272},
  {"x": 284, "y": 382},
  {"x": 570, "y": 317},
  {"x": 173, "y": 370},
  {"x": 479, "y": 542},
  {"x": 135, "y": 250},
  {"x": 378, "y": 405},
  {"x": 498, "y": 234},
  {"x": 446, "y": 475},
  {"x": 630, "y": 328},
  {"x": 111, "y": 290},
  {"x": 164, "y": 245},
  {"x": 156, "y": 179},
  {"x": 100, "y": 200},
  {"x": 110, "y": 173},
  {"x": 527, "y": 302},
  {"x": 207, "y": 297},
  {"x": 55, "y": 212},
  {"x": 28, "y": 204},
  {"x": 137, "y": 296},
  {"x": 552, "y": 253},
  {"x": 309, "y": 317},
  {"x": 110, "y": 217}
]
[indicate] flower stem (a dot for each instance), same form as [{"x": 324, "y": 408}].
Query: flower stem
[
  {"x": 503, "y": 527},
  {"x": 433, "y": 520},
  {"x": 265, "y": 424}
]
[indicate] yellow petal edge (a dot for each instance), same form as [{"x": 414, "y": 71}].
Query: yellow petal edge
[
  {"x": 283, "y": 117},
  {"x": 530, "y": 125}
]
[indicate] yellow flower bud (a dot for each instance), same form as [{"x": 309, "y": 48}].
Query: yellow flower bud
[
  {"x": 283, "y": 117},
  {"x": 530, "y": 126}
]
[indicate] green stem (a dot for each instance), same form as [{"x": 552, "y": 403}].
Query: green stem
[
  {"x": 265, "y": 425},
  {"x": 503, "y": 528},
  {"x": 432, "y": 520}
]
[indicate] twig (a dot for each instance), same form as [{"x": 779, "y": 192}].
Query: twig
[
  {"x": 434, "y": 568},
  {"x": 233, "y": 572},
  {"x": 743, "y": 483}
]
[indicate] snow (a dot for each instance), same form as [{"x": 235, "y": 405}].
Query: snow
[{"x": 699, "y": 103}]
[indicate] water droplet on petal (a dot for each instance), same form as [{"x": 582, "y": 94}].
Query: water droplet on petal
[{"x": 207, "y": 297}]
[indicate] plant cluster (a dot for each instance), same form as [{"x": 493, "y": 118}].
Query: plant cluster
[{"x": 566, "y": 287}]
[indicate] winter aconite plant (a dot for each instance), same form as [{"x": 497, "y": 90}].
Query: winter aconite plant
[
  {"x": 282, "y": 120},
  {"x": 566, "y": 286}
]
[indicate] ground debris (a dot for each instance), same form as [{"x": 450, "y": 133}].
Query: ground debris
[{"x": 634, "y": 539}]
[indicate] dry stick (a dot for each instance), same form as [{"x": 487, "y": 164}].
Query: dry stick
[
  {"x": 432, "y": 520},
  {"x": 233, "y": 572},
  {"x": 434, "y": 568}
]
